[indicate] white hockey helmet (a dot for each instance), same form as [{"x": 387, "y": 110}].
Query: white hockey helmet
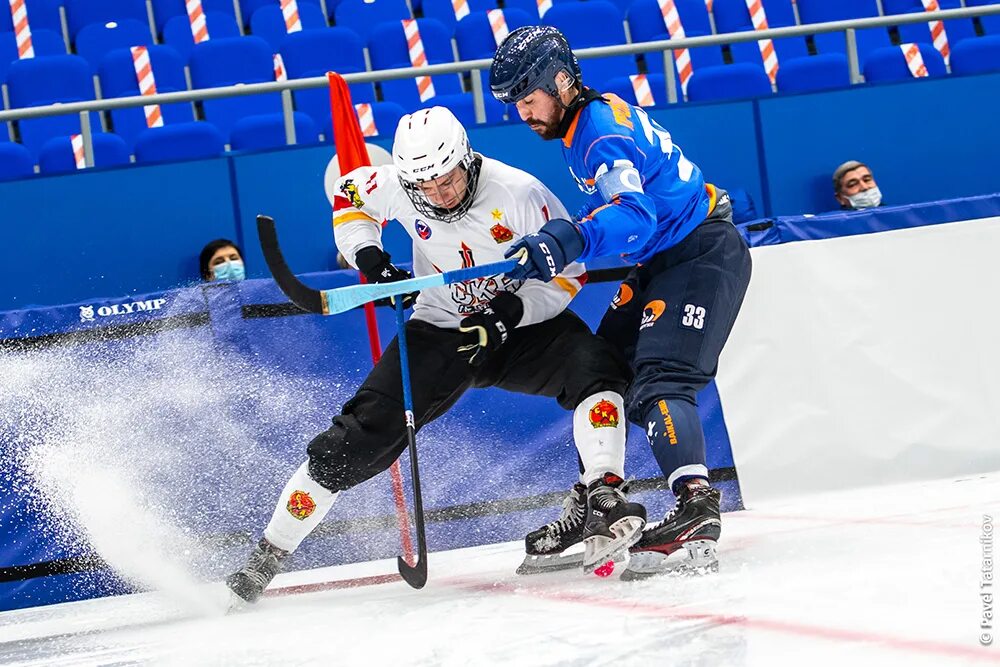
[{"x": 429, "y": 144}]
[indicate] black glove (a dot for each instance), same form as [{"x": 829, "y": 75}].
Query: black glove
[
  {"x": 487, "y": 330},
  {"x": 375, "y": 264}
]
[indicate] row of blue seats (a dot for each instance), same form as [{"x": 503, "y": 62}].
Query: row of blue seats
[{"x": 188, "y": 140}]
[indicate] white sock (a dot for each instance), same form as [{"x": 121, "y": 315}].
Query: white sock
[
  {"x": 302, "y": 505},
  {"x": 599, "y": 429}
]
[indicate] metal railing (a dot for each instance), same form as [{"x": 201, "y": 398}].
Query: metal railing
[{"x": 848, "y": 27}]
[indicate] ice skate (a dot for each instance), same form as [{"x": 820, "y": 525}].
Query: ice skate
[
  {"x": 544, "y": 548},
  {"x": 613, "y": 524},
  {"x": 248, "y": 584},
  {"x": 692, "y": 528}
]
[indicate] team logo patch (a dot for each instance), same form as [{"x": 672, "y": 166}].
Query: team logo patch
[
  {"x": 350, "y": 191},
  {"x": 623, "y": 296},
  {"x": 604, "y": 414},
  {"x": 301, "y": 505},
  {"x": 651, "y": 313},
  {"x": 423, "y": 229},
  {"x": 501, "y": 234}
]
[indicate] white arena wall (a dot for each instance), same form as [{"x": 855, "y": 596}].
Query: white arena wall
[{"x": 865, "y": 360}]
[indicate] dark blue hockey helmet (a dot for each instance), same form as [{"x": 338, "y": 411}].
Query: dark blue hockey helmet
[{"x": 529, "y": 59}]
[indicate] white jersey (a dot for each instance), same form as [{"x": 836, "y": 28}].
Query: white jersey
[{"x": 508, "y": 204}]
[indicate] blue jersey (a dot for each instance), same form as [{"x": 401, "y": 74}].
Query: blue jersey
[{"x": 645, "y": 196}]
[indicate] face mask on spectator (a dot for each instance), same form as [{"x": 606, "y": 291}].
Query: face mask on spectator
[
  {"x": 230, "y": 270},
  {"x": 869, "y": 198}
]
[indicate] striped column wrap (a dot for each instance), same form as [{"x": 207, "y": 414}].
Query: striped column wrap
[
  {"x": 366, "y": 119},
  {"x": 290, "y": 12},
  {"x": 279, "y": 68},
  {"x": 643, "y": 93},
  {"x": 76, "y": 141},
  {"x": 914, "y": 60},
  {"x": 461, "y": 8},
  {"x": 938, "y": 33},
  {"x": 767, "y": 53},
  {"x": 22, "y": 30},
  {"x": 418, "y": 58},
  {"x": 498, "y": 24},
  {"x": 543, "y": 6},
  {"x": 682, "y": 57},
  {"x": 196, "y": 15},
  {"x": 147, "y": 84}
]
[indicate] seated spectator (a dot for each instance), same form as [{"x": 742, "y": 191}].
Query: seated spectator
[
  {"x": 221, "y": 259},
  {"x": 855, "y": 187}
]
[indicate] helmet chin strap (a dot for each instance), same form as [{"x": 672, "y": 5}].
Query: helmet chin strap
[{"x": 585, "y": 97}]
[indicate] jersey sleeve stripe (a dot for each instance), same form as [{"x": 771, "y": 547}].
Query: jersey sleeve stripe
[
  {"x": 568, "y": 284},
  {"x": 351, "y": 216}
]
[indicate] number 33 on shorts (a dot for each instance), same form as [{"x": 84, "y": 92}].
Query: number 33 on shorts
[{"x": 693, "y": 317}]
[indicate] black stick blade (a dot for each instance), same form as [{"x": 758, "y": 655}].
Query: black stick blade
[
  {"x": 299, "y": 293},
  {"x": 415, "y": 576}
]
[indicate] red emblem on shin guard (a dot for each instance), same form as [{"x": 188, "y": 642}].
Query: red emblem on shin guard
[
  {"x": 300, "y": 505},
  {"x": 604, "y": 414}
]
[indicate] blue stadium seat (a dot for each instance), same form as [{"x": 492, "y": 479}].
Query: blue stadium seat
[
  {"x": 975, "y": 56},
  {"x": 56, "y": 156},
  {"x": 44, "y": 42},
  {"x": 186, "y": 141},
  {"x": 820, "y": 72},
  {"x": 475, "y": 37},
  {"x": 646, "y": 24},
  {"x": 388, "y": 49},
  {"x": 442, "y": 10},
  {"x": 225, "y": 62},
  {"x": 991, "y": 24},
  {"x": 733, "y": 16},
  {"x": 80, "y": 13},
  {"x": 97, "y": 39},
  {"x": 956, "y": 29},
  {"x": 47, "y": 80},
  {"x": 268, "y": 131},
  {"x": 312, "y": 53},
  {"x": 889, "y": 64},
  {"x": 269, "y": 23},
  {"x": 529, "y": 7},
  {"x": 118, "y": 79},
  {"x": 622, "y": 87},
  {"x": 362, "y": 17},
  {"x": 15, "y": 161},
  {"x": 460, "y": 104},
  {"x": 164, "y": 10},
  {"x": 821, "y": 11},
  {"x": 593, "y": 23},
  {"x": 248, "y": 7},
  {"x": 728, "y": 82},
  {"x": 42, "y": 15},
  {"x": 177, "y": 32}
]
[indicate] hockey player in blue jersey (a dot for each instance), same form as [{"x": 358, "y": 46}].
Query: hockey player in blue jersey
[{"x": 675, "y": 310}]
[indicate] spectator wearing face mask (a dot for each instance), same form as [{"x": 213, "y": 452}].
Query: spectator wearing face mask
[
  {"x": 221, "y": 259},
  {"x": 855, "y": 187}
]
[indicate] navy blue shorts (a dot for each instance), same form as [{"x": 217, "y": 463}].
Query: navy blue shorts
[{"x": 671, "y": 317}]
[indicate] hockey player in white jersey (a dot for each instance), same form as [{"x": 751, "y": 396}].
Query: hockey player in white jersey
[{"x": 462, "y": 209}]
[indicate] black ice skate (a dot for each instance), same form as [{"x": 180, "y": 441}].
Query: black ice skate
[
  {"x": 693, "y": 525},
  {"x": 248, "y": 584},
  {"x": 613, "y": 524},
  {"x": 544, "y": 547}
]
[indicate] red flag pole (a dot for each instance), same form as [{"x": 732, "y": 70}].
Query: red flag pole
[{"x": 351, "y": 153}]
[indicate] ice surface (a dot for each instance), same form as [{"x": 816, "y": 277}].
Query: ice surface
[{"x": 886, "y": 575}]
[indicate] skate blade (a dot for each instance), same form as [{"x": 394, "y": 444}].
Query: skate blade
[
  {"x": 599, "y": 549},
  {"x": 236, "y": 604},
  {"x": 697, "y": 558},
  {"x": 553, "y": 563}
]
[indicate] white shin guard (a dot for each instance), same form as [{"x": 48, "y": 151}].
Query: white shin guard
[
  {"x": 599, "y": 429},
  {"x": 302, "y": 505}
]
